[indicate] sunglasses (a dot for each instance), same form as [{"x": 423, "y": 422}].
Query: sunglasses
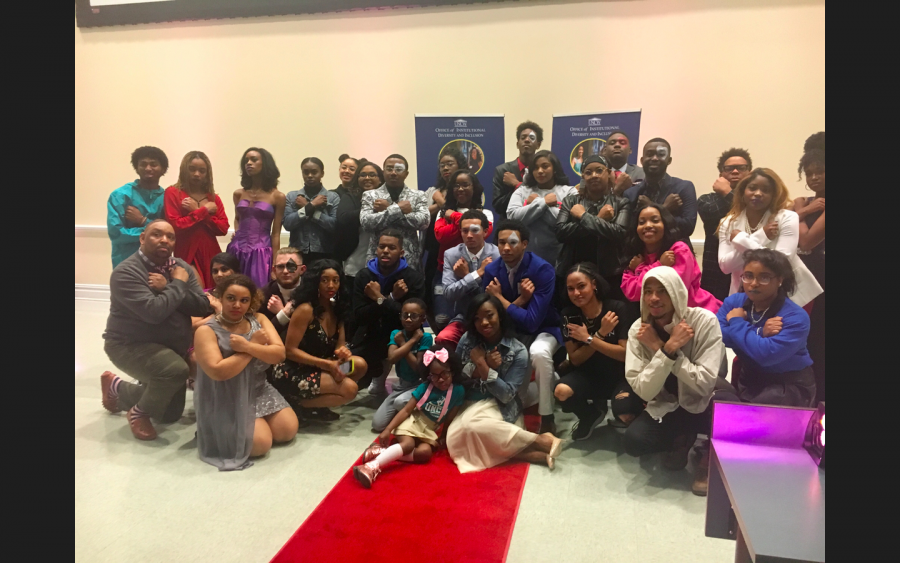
[{"x": 411, "y": 316}]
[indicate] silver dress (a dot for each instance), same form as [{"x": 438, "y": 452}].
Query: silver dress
[{"x": 227, "y": 410}]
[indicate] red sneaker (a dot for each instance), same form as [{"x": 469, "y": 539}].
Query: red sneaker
[
  {"x": 110, "y": 403},
  {"x": 141, "y": 426}
]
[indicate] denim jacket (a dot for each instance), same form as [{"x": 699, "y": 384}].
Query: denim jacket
[
  {"x": 312, "y": 229},
  {"x": 503, "y": 384}
]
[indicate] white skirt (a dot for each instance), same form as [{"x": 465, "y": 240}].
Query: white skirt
[{"x": 479, "y": 438}]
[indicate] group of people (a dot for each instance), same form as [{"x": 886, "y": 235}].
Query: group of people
[{"x": 588, "y": 296}]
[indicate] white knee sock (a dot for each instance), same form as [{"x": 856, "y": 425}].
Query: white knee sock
[
  {"x": 393, "y": 453},
  {"x": 408, "y": 458}
]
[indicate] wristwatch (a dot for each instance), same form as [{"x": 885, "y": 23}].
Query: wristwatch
[
  {"x": 589, "y": 340},
  {"x": 380, "y": 300}
]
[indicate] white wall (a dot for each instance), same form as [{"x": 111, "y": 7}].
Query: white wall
[{"x": 708, "y": 74}]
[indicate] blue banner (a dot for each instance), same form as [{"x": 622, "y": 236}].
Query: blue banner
[
  {"x": 479, "y": 138},
  {"x": 575, "y": 137}
]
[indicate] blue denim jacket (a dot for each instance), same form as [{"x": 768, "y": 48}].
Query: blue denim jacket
[
  {"x": 503, "y": 384},
  {"x": 312, "y": 229}
]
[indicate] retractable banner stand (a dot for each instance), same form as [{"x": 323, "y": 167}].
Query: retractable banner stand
[
  {"x": 478, "y": 137},
  {"x": 576, "y": 137}
]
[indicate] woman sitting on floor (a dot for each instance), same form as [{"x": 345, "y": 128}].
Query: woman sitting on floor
[
  {"x": 239, "y": 414},
  {"x": 490, "y": 429},
  {"x": 316, "y": 374},
  {"x": 768, "y": 332},
  {"x": 596, "y": 334}
]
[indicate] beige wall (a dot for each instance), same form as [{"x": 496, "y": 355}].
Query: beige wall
[{"x": 708, "y": 75}]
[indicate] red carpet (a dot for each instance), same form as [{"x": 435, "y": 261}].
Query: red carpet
[{"x": 414, "y": 512}]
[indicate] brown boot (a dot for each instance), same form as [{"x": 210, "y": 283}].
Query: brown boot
[
  {"x": 676, "y": 459},
  {"x": 141, "y": 426},
  {"x": 701, "y": 474}
]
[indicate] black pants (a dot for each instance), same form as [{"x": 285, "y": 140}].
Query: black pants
[
  {"x": 646, "y": 435},
  {"x": 593, "y": 390},
  {"x": 789, "y": 389},
  {"x": 310, "y": 259},
  {"x": 374, "y": 351}
]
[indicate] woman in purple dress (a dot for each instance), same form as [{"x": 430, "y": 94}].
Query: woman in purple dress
[{"x": 259, "y": 208}]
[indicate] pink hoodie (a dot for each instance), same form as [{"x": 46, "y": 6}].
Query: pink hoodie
[{"x": 688, "y": 270}]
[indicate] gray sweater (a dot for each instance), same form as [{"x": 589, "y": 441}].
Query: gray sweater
[{"x": 138, "y": 313}]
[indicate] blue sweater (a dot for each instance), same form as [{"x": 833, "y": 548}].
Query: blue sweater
[
  {"x": 538, "y": 315},
  {"x": 784, "y": 352}
]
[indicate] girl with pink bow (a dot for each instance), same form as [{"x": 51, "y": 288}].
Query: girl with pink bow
[{"x": 419, "y": 426}]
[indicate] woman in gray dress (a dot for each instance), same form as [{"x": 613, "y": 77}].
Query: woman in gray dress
[{"x": 239, "y": 414}]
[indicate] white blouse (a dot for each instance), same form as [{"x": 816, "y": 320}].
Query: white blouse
[{"x": 731, "y": 252}]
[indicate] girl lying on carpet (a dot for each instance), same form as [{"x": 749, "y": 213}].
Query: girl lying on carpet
[{"x": 419, "y": 426}]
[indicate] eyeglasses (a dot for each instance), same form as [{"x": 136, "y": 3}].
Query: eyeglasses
[
  {"x": 368, "y": 175},
  {"x": 400, "y": 169},
  {"x": 443, "y": 375},
  {"x": 410, "y": 316},
  {"x": 735, "y": 167},
  {"x": 762, "y": 279},
  {"x": 289, "y": 267}
]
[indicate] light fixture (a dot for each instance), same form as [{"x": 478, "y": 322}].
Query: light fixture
[{"x": 814, "y": 441}]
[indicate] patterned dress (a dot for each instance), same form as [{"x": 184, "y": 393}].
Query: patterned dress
[{"x": 302, "y": 381}]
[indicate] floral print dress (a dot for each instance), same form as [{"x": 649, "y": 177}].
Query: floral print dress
[{"x": 296, "y": 381}]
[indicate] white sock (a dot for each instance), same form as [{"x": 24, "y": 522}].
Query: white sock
[
  {"x": 408, "y": 458},
  {"x": 393, "y": 453}
]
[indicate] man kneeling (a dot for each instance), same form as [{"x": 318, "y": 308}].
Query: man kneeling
[
  {"x": 152, "y": 299},
  {"x": 674, "y": 359}
]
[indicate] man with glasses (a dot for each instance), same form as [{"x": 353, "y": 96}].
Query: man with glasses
[
  {"x": 396, "y": 206},
  {"x": 508, "y": 177},
  {"x": 464, "y": 266},
  {"x": 675, "y": 194},
  {"x": 734, "y": 165},
  {"x": 277, "y": 306},
  {"x": 617, "y": 150}
]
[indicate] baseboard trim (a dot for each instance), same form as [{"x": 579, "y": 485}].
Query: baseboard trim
[{"x": 91, "y": 292}]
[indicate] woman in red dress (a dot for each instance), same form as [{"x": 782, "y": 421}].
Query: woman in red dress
[{"x": 197, "y": 214}]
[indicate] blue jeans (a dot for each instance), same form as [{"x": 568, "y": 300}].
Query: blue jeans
[{"x": 443, "y": 309}]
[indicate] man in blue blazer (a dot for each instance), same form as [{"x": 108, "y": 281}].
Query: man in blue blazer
[
  {"x": 464, "y": 267},
  {"x": 524, "y": 283}
]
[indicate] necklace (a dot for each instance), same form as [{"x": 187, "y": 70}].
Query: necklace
[
  {"x": 762, "y": 221},
  {"x": 225, "y": 321},
  {"x": 754, "y": 319}
]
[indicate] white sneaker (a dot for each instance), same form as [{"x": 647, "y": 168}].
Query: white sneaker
[{"x": 377, "y": 386}]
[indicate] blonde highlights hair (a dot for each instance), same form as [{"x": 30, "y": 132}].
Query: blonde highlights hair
[
  {"x": 780, "y": 197},
  {"x": 184, "y": 175}
]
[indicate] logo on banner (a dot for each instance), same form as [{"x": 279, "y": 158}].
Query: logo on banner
[
  {"x": 470, "y": 151},
  {"x": 460, "y": 123},
  {"x": 594, "y": 122}
]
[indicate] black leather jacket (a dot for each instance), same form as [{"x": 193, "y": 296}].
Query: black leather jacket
[{"x": 591, "y": 239}]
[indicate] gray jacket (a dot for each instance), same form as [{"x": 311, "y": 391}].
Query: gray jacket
[
  {"x": 409, "y": 224},
  {"x": 460, "y": 291},
  {"x": 139, "y": 313},
  {"x": 312, "y": 229}
]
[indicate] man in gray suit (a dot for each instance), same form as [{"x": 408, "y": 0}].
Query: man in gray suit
[
  {"x": 464, "y": 266},
  {"x": 617, "y": 150}
]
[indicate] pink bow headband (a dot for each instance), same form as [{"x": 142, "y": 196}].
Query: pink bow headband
[{"x": 441, "y": 355}]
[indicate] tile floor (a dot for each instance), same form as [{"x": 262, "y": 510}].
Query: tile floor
[{"x": 157, "y": 501}]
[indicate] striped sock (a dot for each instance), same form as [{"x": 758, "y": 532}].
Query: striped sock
[
  {"x": 136, "y": 413},
  {"x": 114, "y": 387}
]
